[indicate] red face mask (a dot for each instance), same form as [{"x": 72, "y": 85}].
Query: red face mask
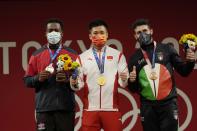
[{"x": 98, "y": 41}]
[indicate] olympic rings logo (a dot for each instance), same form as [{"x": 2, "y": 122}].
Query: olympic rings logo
[{"x": 134, "y": 113}]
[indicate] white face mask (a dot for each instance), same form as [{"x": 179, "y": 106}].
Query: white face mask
[{"x": 54, "y": 37}]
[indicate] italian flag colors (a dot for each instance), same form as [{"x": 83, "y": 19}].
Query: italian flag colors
[{"x": 155, "y": 89}]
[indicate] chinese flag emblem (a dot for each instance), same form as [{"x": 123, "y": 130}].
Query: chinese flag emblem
[{"x": 110, "y": 57}]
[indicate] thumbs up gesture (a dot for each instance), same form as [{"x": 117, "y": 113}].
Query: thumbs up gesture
[{"x": 132, "y": 75}]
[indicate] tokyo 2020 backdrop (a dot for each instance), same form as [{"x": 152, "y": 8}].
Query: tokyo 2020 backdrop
[{"x": 22, "y": 31}]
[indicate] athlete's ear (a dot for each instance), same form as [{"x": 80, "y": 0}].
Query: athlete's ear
[
  {"x": 107, "y": 35},
  {"x": 90, "y": 36},
  {"x": 135, "y": 36},
  {"x": 151, "y": 31}
]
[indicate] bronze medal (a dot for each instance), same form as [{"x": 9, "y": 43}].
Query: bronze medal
[{"x": 153, "y": 75}]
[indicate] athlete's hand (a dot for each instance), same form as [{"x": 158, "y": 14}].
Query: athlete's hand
[
  {"x": 132, "y": 75},
  {"x": 73, "y": 82},
  {"x": 190, "y": 55},
  {"x": 43, "y": 75},
  {"x": 60, "y": 76},
  {"x": 123, "y": 76}
]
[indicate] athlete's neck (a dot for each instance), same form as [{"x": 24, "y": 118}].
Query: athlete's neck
[
  {"x": 54, "y": 46},
  {"x": 98, "y": 49},
  {"x": 148, "y": 47}
]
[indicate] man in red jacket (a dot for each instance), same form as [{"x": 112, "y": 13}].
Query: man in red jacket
[{"x": 55, "y": 103}]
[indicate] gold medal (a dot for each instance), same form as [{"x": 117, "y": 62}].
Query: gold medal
[
  {"x": 153, "y": 75},
  {"x": 101, "y": 80}
]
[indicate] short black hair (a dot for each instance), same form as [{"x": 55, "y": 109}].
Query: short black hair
[
  {"x": 97, "y": 22},
  {"x": 140, "y": 22},
  {"x": 56, "y": 20}
]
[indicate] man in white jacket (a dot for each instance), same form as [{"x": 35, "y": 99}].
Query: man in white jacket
[{"x": 103, "y": 69}]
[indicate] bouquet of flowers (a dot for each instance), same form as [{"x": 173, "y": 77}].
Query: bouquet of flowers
[
  {"x": 65, "y": 63},
  {"x": 188, "y": 41}
]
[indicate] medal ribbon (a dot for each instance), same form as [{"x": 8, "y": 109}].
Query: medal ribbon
[
  {"x": 99, "y": 62},
  {"x": 53, "y": 56},
  {"x": 152, "y": 65}
]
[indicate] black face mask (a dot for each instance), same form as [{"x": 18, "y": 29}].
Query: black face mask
[{"x": 145, "y": 39}]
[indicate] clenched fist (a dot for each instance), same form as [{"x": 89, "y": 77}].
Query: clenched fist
[
  {"x": 73, "y": 82},
  {"x": 123, "y": 76},
  {"x": 61, "y": 76},
  {"x": 43, "y": 75},
  {"x": 190, "y": 55}
]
